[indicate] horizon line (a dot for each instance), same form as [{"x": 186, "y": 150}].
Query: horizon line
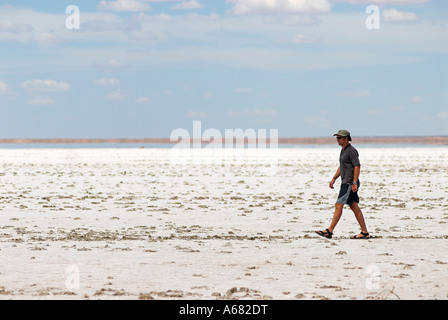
[{"x": 433, "y": 139}]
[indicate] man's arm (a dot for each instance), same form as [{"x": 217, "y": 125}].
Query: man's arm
[
  {"x": 338, "y": 173},
  {"x": 355, "y": 178}
]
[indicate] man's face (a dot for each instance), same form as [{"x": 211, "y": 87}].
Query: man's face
[{"x": 341, "y": 140}]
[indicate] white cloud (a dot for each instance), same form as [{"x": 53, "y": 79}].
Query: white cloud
[
  {"x": 300, "y": 39},
  {"x": 355, "y": 94},
  {"x": 373, "y": 111},
  {"x": 292, "y": 20},
  {"x": 26, "y": 25},
  {"x": 109, "y": 65},
  {"x": 394, "y": 15},
  {"x": 142, "y": 36},
  {"x": 14, "y": 27},
  {"x": 279, "y": 6},
  {"x": 188, "y": 5},
  {"x": 5, "y": 90},
  {"x": 143, "y": 100},
  {"x": 442, "y": 115},
  {"x": 263, "y": 113},
  {"x": 383, "y": 1},
  {"x": 320, "y": 122},
  {"x": 416, "y": 99},
  {"x": 124, "y": 5},
  {"x": 114, "y": 96},
  {"x": 106, "y": 82},
  {"x": 260, "y": 113},
  {"x": 114, "y": 25},
  {"x": 45, "y": 85},
  {"x": 42, "y": 101},
  {"x": 229, "y": 40},
  {"x": 207, "y": 95},
  {"x": 45, "y": 37},
  {"x": 196, "y": 114}
]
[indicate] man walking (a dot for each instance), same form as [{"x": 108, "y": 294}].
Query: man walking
[{"x": 349, "y": 168}]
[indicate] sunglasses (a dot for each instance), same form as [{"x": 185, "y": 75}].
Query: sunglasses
[{"x": 339, "y": 138}]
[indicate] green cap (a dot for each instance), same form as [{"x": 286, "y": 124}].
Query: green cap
[{"x": 342, "y": 133}]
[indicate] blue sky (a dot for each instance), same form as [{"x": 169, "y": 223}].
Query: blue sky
[{"x": 143, "y": 68}]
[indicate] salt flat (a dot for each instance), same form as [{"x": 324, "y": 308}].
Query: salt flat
[{"x": 220, "y": 224}]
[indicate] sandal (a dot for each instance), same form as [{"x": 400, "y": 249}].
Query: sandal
[
  {"x": 364, "y": 235},
  {"x": 326, "y": 233}
]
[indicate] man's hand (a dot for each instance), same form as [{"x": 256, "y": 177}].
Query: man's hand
[
  {"x": 354, "y": 187},
  {"x": 332, "y": 183}
]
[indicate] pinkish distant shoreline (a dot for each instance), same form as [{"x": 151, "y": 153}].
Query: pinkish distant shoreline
[{"x": 430, "y": 140}]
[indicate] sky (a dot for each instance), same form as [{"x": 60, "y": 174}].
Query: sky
[{"x": 144, "y": 68}]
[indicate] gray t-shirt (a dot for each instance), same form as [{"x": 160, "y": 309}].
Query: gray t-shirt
[{"x": 348, "y": 160}]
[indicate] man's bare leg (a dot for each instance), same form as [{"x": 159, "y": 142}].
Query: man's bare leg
[
  {"x": 359, "y": 216},
  {"x": 337, "y": 215}
]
